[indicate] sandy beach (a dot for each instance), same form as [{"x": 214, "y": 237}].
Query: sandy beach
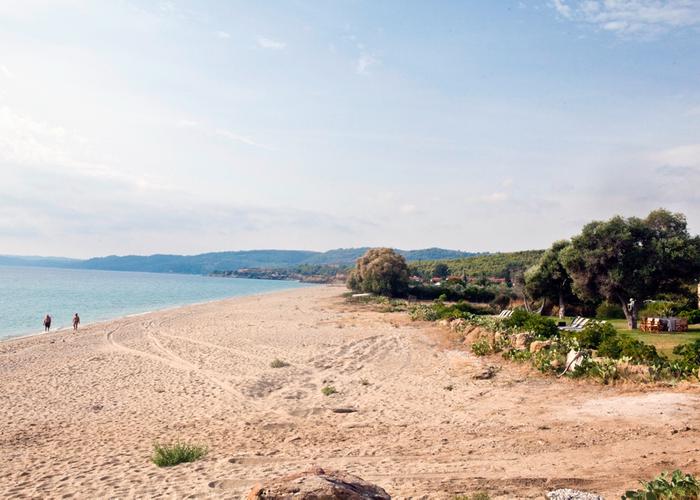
[{"x": 79, "y": 413}]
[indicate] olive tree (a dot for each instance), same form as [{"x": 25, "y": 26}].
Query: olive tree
[
  {"x": 381, "y": 271},
  {"x": 629, "y": 260},
  {"x": 549, "y": 280}
]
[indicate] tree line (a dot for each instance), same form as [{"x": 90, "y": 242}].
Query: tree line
[{"x": 625, "y": 261}]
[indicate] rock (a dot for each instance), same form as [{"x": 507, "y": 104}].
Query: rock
[
  {"x": 538, "y": 345},
  {"x": 488, "y": 373},
  {"x": 522, "y": 340},
  {"x": 567, "y": 494},
  {"x": 457, "y": 324},
  {"x": 443, "y": 322},
  {"x": 318, "y": 484},
  {"x": 343, "y": 410},
  {"x": 573, "y": 359}
]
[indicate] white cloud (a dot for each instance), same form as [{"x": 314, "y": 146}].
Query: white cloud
[
  {"x": 408, "y": 209},
  {"x": 267, "y": 43},
  {"x": 185, "y": 123},
  {"x": 6, "y": 72},
  {"x": 44, "y": 147},
  {"x": 496, "y": 197},
  {"x": 240, "y": 138},
  {"x": 223, "y": 35},
  {"x": 632, "y": 17},
  {"x": 562, "y": 8},
  {"x": 681, "y": 156},
  {"x": 365, "y": 63}
]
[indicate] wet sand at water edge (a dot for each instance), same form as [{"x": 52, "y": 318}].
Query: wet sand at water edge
[{"x": 79, "y": 413}]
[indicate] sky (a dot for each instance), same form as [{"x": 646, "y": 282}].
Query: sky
[{"x": 140, "y": 127}]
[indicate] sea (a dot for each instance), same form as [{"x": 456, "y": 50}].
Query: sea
[{"x": 27, "y": 294}]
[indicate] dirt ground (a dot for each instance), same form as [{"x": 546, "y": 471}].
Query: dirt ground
[{"x": 79, "y": 413}]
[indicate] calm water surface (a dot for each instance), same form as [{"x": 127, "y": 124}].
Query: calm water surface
[{"x": 27, "y": 294}]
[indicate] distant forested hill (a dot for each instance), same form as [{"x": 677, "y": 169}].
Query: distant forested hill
[
  {"x": 223, "y": 261},
  {"x": 16, "y": 260},
  {"x": 348, "y": 256},
  {"x": 492, "y": 265}
]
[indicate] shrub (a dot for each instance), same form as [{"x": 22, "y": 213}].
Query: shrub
[
  {"x": 676, "y": 486},
  {"x": 278, "y": 363},
  {"x": 517, "y": 355},
  {"x": 329, "y": 390},
  {"x": 605, "y": 370},
  {"x": 479, "y": 495},
  {"x": 689, "y": 353},
  {"x": 693, "y": 316},
  {"x": 423, "y": 312},
  {"x": 607, "y": 310},
  {"x": 624, "y": 346},
  {"x": 594, "y": 334},
  {"x": 541, "y": 326},
  {"x": 481, "y": 347},
  {"x": 550, "y": 360},
  {"x": 169, "y": 455},
  {"x": 517, "y": 319}
]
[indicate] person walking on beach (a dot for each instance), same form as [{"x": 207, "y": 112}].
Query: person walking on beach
[
  {"x": 47, "y": 323},
  {"x": 76, "y": 321}
]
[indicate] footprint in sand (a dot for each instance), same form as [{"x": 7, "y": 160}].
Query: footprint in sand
[{"x": 223, "y": 484}]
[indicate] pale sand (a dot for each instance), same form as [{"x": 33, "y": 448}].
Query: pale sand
[{"x": 79, "y": 413}]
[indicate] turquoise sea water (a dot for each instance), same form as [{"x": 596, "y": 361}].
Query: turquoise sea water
[{"x": 27, "y": 294}]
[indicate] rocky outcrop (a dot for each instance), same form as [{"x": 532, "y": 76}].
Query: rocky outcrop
[{"x": 318, "y": 484}]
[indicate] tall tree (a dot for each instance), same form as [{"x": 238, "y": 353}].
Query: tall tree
[
  {"x": 381, "y": 271},
  {"x": 631, "y": 260},
  {"x": 548, "y": 279}
]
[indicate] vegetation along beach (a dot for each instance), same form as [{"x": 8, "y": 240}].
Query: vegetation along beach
[{"x": 350, "y": 250}]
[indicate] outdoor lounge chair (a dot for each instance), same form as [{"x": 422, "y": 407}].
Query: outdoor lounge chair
[{"x": 577, "y": 324}]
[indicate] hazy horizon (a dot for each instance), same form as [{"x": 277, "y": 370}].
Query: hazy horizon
[{"x": 144, "y": 127}]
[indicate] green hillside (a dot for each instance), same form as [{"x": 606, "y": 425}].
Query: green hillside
[{"x": 496, "y": 265}]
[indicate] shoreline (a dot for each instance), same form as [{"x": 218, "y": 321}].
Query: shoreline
[
  {"x": 63, "y": 329},
  {"x": 81, "y": 412}
]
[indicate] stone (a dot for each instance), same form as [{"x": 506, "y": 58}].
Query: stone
[
  {"x": 488, "y": 373},
  {"x": 538, "y": 345},
  {"x": 573, "y": 359},
  {"x": 457, "y": 324},
  {"x": 568, "y": 494},
  {"x": 522, "y": 340},
  {"x": 318, "y": 484}
]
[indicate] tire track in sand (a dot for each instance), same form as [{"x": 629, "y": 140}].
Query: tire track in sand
[{"x": 171, "y": 359}]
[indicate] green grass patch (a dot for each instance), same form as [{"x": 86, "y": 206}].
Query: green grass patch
[
  {"x": 664, "y": 342},
  {"x": 329, "y": 390},
  {"x": 178, "y": 453},
  {"x": 278, "y": 363}
]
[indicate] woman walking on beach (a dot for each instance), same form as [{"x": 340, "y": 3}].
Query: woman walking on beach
[
  {"x": 47, "y": 323},
  {"x": 76, "y": 321}
]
